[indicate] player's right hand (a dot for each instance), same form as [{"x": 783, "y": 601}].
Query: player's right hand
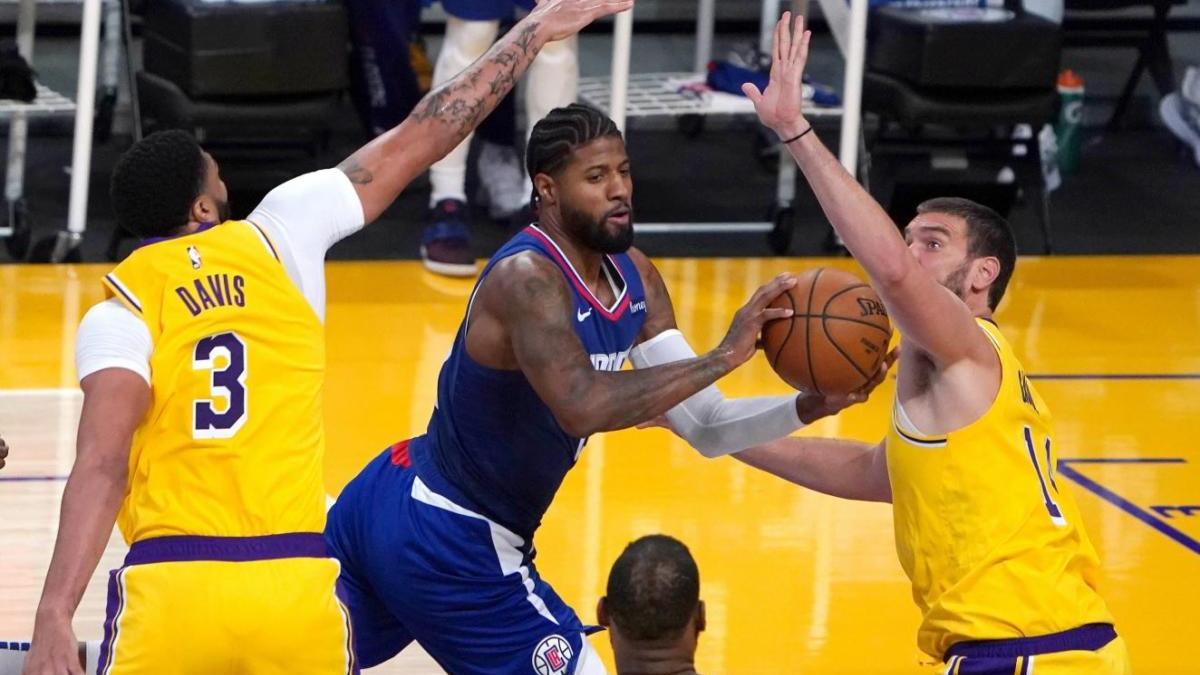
[
  {"x": 742, "y": 339},
  {"x": 54, "y": 651},
  {"x": 564, "y": 18},
  {"x": 811, "y": 406},
  {"x": 3, "y": 452}
]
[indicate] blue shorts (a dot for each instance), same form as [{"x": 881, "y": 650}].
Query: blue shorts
[
  {"x": 415, "y": 565},
  {"x": 484, "y": 10}
]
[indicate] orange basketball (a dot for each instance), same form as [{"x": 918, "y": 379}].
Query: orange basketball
[{"x": 837, "y": 337}]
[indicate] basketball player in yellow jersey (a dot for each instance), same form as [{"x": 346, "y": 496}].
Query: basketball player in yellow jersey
[
  {"x": 1000, "y": 564},
  {"x": 202, "y": 378}
]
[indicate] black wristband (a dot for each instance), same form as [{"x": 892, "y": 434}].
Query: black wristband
[{"x": 798, "y": 136}]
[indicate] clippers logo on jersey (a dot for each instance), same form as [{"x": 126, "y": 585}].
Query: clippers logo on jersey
[
  {"x": 552, "y": 656},
  {"x": 609, "y": 362}
]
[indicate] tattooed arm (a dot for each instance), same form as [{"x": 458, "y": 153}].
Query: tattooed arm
[
  {"x": 382, "y": 168},
  {"x": 526, "y": 311}
]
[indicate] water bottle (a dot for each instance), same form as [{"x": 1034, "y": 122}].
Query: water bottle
[{"x": 1069, "y": 126}]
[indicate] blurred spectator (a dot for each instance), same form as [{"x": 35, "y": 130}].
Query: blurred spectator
[
  {"x": 1180, "y": 111},
  {"x": 553, "y": 79}
]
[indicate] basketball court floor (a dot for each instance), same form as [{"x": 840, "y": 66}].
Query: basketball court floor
[{"x": 794, "y": 582}]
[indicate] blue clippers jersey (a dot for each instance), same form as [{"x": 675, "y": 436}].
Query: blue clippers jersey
[{"x": 491, "y": 441}]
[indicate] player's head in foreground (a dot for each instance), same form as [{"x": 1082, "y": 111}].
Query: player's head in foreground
[
  {"x": 166, "y": 185},
  {"x": 967, "y": 246},
  {"x": 652, "y": 607},
  {"x": 581, "y": 181}
]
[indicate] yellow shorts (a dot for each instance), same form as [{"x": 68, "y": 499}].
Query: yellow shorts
[
  {"x": 213, "y": 605},
  {"x": 1094, "y": 649}
]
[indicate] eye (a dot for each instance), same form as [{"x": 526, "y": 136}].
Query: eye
[
  {"x": 594, "y": 178},
  {"x": 625, "y": 171},
  {"x": 934, "y": 244}
]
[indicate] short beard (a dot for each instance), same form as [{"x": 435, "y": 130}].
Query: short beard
[
  {"x": 956, "y": 280},
  {"x": 224, "y": 212},
  {"x": 593, "y": 232}
]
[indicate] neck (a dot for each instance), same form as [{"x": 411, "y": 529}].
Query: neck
[
  {"x": 586, "y": 261},
  {"x": 665, "y": 657}
]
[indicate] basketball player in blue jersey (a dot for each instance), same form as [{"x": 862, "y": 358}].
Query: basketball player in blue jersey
[
  {"x": 1001, "y": 566},
  {"x": 435, "y": 535}
]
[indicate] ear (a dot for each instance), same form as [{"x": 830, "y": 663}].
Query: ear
[
  {"x": 204, "y": 210},
  {"x": 602, "y": 614},
  {"x": 547, "y": 191},
  {"x": 701, "y": 618},
  {"x": 986, "y": 272}
]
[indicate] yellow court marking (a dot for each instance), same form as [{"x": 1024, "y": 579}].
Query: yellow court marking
[{"x": 794, "y": 581}]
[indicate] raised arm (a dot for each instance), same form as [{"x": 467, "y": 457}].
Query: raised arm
[
  {"x": 114, "y": 402},
  {"x": 527, "y": 298},
  {"x": 381, "y": 169},
  {"x": 928, "y": 315},
  {"x": 833, "y": 466}
]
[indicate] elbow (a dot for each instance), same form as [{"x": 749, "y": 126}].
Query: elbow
[
  {"x": 579, "y": 423},
  {"x": 894, "y": 273}
]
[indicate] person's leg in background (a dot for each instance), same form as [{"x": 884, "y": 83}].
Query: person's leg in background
[
  {"x": 552, "y": 82},
  {"x": 471, "y": 29},
  {"x": 383, "y": 83}
]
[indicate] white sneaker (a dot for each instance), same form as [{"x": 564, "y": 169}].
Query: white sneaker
[
  {"x": 1183, "y": 120},
  {"x": 501, "y": 180}
]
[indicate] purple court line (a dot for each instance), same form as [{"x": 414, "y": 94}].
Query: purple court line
[
  {"x": 1115, "y": 376},
  {"x": 1065, "y": 469},
  {"x": 29, "y": 479}
]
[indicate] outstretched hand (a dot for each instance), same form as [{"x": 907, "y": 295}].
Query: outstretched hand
[
  {"x": 564, "y": 18},
  {"x": 779, "y": 107}
]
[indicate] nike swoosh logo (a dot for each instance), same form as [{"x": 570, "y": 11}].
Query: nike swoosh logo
[{"x": 582, "y": 315}]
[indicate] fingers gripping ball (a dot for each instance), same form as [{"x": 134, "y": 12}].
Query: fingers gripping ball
[{"x": 837, "y": 337}]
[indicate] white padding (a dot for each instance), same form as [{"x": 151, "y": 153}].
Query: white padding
[{"x": 712, "y": 424}]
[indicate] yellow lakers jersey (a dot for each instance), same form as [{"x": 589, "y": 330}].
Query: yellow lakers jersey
[
  {"x": 234, "y": 440},
  {"x": 986, "y": 531}
]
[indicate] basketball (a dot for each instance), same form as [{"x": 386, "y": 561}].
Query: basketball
[{"x": 837, "y": 337}]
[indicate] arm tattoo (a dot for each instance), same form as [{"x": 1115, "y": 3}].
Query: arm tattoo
[
  {"x": 357, "y": 174},
  {"x": 460, "y": 104},
  {"x": 551, "y": 356}
]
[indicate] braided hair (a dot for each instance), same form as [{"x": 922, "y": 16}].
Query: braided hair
[{"x": 559, "y": 133}]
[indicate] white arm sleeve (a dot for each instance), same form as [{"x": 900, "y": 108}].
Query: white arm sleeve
[
  {"x": 305, "y": 217},
  {"x": 711, "y": 423},
  {"x": 110, "y": 336}
]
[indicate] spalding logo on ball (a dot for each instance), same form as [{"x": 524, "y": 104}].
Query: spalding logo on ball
[{"x": 837, "y": 337}]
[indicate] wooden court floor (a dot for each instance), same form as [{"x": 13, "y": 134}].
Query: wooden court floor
[{"x": 794, "y": 582}]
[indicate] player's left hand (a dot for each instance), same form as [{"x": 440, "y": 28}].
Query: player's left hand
[
  {"x": 811, "y": 406},
  {"x": 779, "y": 107},
  {"x": 3, "y": 452}
]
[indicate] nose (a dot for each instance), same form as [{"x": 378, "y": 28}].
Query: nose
[{"x": 619, "y": 188}]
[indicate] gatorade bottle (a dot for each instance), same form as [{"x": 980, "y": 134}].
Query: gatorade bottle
[{"x": 1069, "y": 126}]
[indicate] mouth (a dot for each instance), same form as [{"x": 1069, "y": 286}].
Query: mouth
[{"x": 619, "y": 216}]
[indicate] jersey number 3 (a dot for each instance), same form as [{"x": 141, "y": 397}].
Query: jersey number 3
[{"x": 224, "y": 357}]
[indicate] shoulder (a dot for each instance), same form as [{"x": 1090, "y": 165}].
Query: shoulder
[{"x": 525, "y": 279}]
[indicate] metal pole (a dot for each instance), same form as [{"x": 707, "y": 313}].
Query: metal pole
[
  {"x": 81, "y": 152},
  {"x": 852, "y": 86},
  {"x": 706, "y": 19},
  {"x": 14, "y": 176},
  {"x": 622, "y": 42}
]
